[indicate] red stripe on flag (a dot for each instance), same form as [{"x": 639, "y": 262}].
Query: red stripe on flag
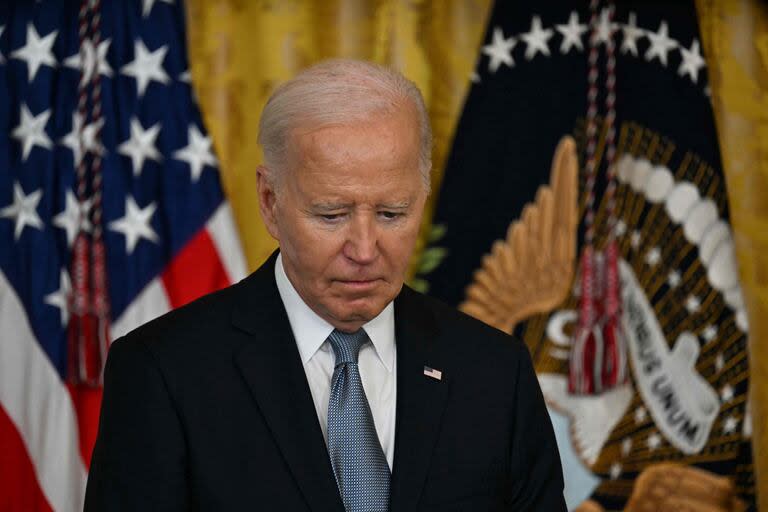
[
  {"x": 19, "y": 489},
  {"x": 195, "y": 271},
  {"x": 87, "y": 402}
]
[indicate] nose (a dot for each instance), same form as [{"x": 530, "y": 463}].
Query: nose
[{"x": 362, "y": 245}]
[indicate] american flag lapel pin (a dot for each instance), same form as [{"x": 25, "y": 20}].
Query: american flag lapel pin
[{"x": 431, "y": 372}]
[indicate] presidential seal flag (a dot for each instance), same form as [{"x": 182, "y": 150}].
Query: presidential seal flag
[
  {"x": 584, "y": 209},
  {"x": 111, "y": 213}
]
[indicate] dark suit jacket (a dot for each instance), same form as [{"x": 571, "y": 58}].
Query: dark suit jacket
[{"x": 208, "y": 408}]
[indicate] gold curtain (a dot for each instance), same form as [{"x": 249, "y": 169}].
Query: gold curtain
[
  {"x": 241, "y": 49},
  {"x": 735, "y": 37}
]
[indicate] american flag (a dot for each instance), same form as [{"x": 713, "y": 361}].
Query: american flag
[
  {"x": 431, "y": 372},
  {"x": 104, "y": 166}
]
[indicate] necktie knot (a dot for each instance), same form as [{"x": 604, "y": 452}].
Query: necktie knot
[{"x": 346, "y": 346}]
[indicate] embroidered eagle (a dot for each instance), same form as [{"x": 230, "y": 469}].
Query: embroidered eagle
[
  {"x": 528, "y": 277},
  {"x": 531, "y": 271}
]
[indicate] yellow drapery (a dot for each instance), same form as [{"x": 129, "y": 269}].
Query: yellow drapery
[
  {"x": 240, "y": 49},
  {"x": 735, "y": 37}
]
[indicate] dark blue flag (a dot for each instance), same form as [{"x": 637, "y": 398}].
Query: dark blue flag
[{"x": 510, "y": 224}]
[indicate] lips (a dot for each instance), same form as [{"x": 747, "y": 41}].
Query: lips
[{"x": 359, "y": 285}]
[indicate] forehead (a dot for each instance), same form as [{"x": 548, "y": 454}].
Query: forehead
[{"x": 379, "y": 146}]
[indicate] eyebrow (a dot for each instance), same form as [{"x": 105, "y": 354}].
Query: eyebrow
[
  {"x": 329, "y": 207},
  {"x": 401, "y": 205}
]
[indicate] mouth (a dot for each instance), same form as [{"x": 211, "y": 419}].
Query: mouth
[{"x": 358, "y": 284}]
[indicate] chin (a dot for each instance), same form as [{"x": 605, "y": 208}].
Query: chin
[{"x": 360, "y": 313}]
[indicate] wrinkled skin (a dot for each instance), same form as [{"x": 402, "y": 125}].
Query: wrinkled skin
[{"x": 346, "y": 211}]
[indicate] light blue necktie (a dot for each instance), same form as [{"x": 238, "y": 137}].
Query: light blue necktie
[{"x": 358, "y": 461}]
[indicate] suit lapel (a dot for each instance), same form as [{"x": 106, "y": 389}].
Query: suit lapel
[
  {"x": 421, "y": 399},
  {"x": 271, "y": 367}
]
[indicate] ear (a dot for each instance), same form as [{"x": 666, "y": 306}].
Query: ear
[{"x": 267, "y": 200}]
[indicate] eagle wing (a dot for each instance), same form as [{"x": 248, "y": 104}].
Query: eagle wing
[
  {"x": 668, "y": 487},
  {"x": 531, "y": 271}
]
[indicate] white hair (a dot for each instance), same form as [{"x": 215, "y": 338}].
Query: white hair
[{"x": 339, "y": 91}]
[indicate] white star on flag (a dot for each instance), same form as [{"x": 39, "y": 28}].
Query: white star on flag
[
  {"x": 615, "y": 471},
  {"x": 631, "y": 35},
  {"x": 654, "y": 441},
  {"x": 23, "y": 210},
  {"x": 640, "y": 414},
  {"x": 692, "y": 304},
  {"x": 673, "y": 279},
  {"x": 90, "y": 141},
  {"x": 58, "y": 299},
  {"x": 661, "y": 44},
  {"x": 572, "y": 33},
  {"x": 95, "y": 60},
  {"x": 709, "y": 333},
  {"x": 141, "y": 145},
  {"x": 499, "y": 51},
  {"x": 605, "y": 28},
  {"x": 653, "y": 257},
  {"x": 134, "y": 225},
  {"x": 536, "y": 39},
  {"x": 626, "y": 446},
  {"x": 719, "y": 362},
  {"x": 730, "y": 424},
  {"x": 692, "y": 61},
  {"x": 726, "y": 394},
  {"x": 72, "y": 139},
  {"x": 634, "y": 239},
  {"x": 36, "y": 51},
  {"x": 31, "y": 131},
  {"x": 197, "y": 153},
  {"x": 146, "y": 66},
  {"x": 73, "y": 217},
  {"x": 620, "y": 227},
  {"x": 148, "y": 4}
]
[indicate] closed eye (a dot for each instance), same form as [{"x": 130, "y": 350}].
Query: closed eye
[
  {"x": 331, "y": 217},
  {"x": 390, "y": 215}
]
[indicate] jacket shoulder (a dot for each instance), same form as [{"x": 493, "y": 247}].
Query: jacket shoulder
[
  {"x": 183, "y": 325},
  {"x": 467, "y": 335}
]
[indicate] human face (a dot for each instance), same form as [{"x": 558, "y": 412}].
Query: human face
[{"x": 346, "y": 214}]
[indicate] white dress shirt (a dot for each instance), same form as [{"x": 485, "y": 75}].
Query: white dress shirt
[{"x": 377, "y": 360}]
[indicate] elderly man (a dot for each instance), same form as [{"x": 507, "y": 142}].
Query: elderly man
[{"x": 321, "y": 382}]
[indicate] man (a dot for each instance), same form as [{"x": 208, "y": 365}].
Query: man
[{"x": 320, "y": 382}]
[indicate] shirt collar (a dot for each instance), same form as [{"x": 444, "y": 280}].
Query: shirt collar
[
  {"x": 310, "y": 330},
  {"x": 381, "y": 331}
]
